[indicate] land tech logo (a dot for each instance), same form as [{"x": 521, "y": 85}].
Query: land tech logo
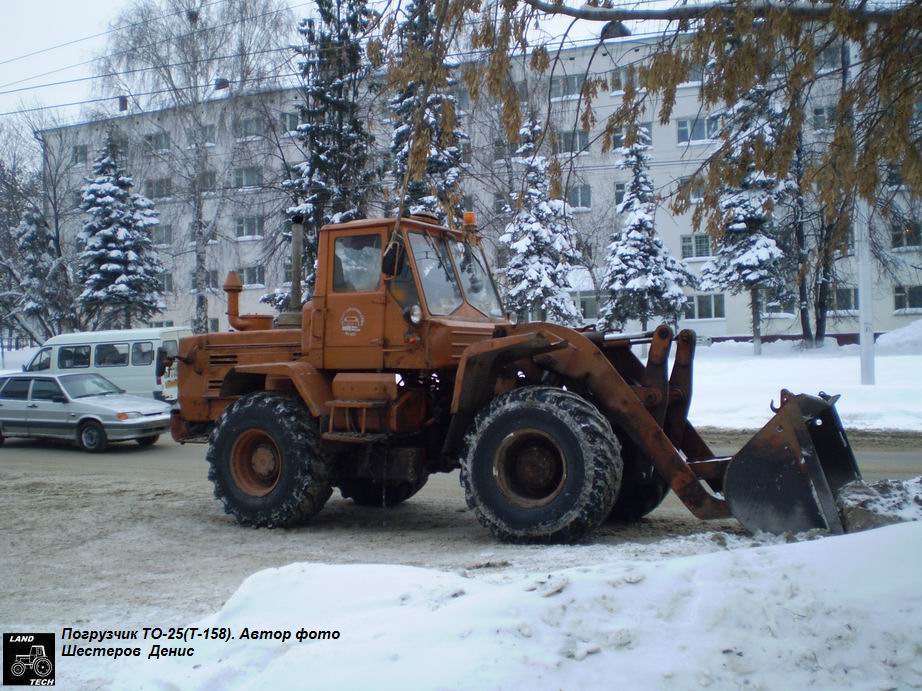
[{"x": 28, "y": 659}]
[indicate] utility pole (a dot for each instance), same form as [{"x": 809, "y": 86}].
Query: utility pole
[{"x": 865, "y": 286}]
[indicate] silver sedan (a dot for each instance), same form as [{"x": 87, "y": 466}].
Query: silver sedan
[{"x": 85, "y": 408}]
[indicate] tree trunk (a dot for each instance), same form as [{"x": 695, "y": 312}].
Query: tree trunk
[
  {"x": 756, "y": 321},
  {"x": 800, "y": 237},
  {"x": 200, "y": 320},
  {"x": 823, "y": 279}
]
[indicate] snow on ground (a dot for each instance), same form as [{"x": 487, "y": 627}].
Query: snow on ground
[
  {"x": 733, "y": 389},
  {"x": 838, "y": 612},
  {"x": 13, "y": 360}
]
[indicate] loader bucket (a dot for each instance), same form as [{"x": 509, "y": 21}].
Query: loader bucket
[{"x": 788, "y": 476}]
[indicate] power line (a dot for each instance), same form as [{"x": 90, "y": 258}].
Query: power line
[{"x": 98, "y": 35}]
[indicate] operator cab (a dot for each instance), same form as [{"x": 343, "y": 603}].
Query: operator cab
[{"x": 407, "y": 296}]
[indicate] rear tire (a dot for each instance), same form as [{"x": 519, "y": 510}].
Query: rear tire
[
  {"x": 148, "y": 441},
  {"x": 92, "y": 437},
  {"x": 541, "y": 465},
  {"x": 266, "y": 463},
  {"x": 368, "y": 492}
]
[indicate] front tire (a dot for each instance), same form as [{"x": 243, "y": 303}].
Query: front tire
[
  {"x": 266, "y": 463},
  {"x": 148, "y": 441},
  {"x": 541, "y": 465},
  {"x": 92, "y": 437}
]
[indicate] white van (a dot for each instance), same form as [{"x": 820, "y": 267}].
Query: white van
[{"x": 127, "y": 358}]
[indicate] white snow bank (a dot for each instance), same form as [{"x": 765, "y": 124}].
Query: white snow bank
[
  {"x": 837, "y": 613},
  {"x": 732, "y": 388},
  {"x": 13, "y": 360},
  {"x": 908, "y": 337}
]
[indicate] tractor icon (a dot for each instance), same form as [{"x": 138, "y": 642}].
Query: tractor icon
[{"x": 36, "y": 660}]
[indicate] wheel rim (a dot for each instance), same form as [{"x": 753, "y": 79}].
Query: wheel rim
[
  {"x": 17, "y": 668},
  {"x": 90, "y": 436},
  {"x": 42, "y": 667},
  {"x": 530, "y": 468},
  {"x": 256, "y": 463}
]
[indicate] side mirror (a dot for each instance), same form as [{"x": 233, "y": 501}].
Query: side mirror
[
  {"x": 394, "y": 259},
  {"x": 60, "y": 398},
  {"x": 160, "y": 366}
]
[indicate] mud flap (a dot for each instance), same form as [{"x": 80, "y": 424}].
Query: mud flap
[{"x": 789, "y": 474}]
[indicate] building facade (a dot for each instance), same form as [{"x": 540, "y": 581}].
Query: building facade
[{"x": 250, "y": 148}]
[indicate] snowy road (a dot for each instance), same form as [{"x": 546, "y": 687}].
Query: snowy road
[{"x": 134, "y": 538}]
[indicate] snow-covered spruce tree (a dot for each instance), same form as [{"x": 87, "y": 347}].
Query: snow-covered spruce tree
[
  {"x": 119, "y": 268},
  {"x": 538, "y": 240},
  {"x": 335, "y": 180},
  {"x": 43, "y": 287},
  {"x": 748, "y": 255},
  {"x": 642, "y": 279},
  {"x": 431, "y": 129}
]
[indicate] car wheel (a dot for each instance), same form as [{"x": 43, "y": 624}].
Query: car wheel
[
  {"x": 92, "y": 437},
  {"x": 148, "y": 441}
]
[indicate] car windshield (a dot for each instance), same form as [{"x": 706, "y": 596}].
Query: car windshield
[
  {"x": 443, "y": 295},
  {"x": 475, "y": 278},
  {"x": 84, "y": 385}
]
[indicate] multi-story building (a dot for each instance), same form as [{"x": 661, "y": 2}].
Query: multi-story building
[{"x": 251, "y": 148}]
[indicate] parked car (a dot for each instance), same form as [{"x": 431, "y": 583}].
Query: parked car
[
  {"x": 86, "y": 408},
  {"x": 128, "y": 357}
]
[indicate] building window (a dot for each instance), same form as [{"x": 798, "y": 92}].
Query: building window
[
  {"x": 290, "y": 121},
  {"x": 574, "y": 141},
  {"x": 906, "y": 235},
  {"x": 286, "y": 271},
  {"x": 161, "y": 324},
  {"x": 204, "y": 134},
  {"x": 617, "y": 140},
  {"x": 704, "y": 307},
  {"x": 589, "y": 307},
  {"x": 467, "y": 202},
  {"x": 156, "y": 142},
  {"x": 894, "y": 175},
  {"x": 695, "y": 187},
  {"x": 78, "y": 198},
  {"x": 211, "y": 279},
  {"x": 844, "y": 299},
  {"x": 567, "y": 85},
  {"x": 824, "y": 118},
  {"x": 502, "y": 150},
  {"x": 620, "y": 191},
  {"x": 619, "y": 78},
  {"x": 697, "y": 245},
  {"x": 462, "y": 98},
  {"x": 829, "y": 57},
  {"x": 156, "y": 189},
  {"x": 247, "y": 227},
  {"x": 166, "y": 282},
  {"x": 213, "y": 326},
  {"x": 846, "y": 243},
  {"x": 208, "y": 181},
  {"x": 248, "y": 177},
  {"x": 252, "y": 276},
  {"x": 499, "y": 204},
  {"x": 580, "y": 196},
  {"x": 247, "y": 128},
  {"x": 466, "y": 151},
  {"x": 695, "y": 73},
  {"x": 780, "y": 307},
  {"x": 162, "y": 235},
  {"x": 79, "y": 155},
  {"x": 698, "y": 129},
  {"x": 907, "y": 297}
]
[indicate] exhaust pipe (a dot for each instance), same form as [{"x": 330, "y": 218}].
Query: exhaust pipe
[{"x": 242, "y": 322}]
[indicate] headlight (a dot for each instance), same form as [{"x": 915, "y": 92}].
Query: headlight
[
  {"x": 127, "y": 416},
  {"x": 416, "y": 315}
]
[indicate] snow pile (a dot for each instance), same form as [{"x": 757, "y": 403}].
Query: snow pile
[
  {"x": 732, "y": 389},
  {"x": 13, "y": 360},
  {"x": 838, "y": 613},
  {"x": 869, "y": 505},
  {"x": 907, "y": 338}
]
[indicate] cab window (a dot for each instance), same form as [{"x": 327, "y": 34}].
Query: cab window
[
  {"x": 73, "y": 357},
  {"x": 357, "y": 263},
  {"x": 111, "y": 355},
  {"x": 16, "y": 389},
  {"x": 142, "y": 353},
  {"x": 41, "y": 361},
  {"x": 170, "y": 348},
  {"x": 45, "y": 390}
]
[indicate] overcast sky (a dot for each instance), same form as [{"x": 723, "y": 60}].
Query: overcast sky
[{"x": 39, "y": 25}]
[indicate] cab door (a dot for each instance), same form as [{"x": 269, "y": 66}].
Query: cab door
[
  {"x": 14, "y": 399},
  {"x": 354, "y": 315}
]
